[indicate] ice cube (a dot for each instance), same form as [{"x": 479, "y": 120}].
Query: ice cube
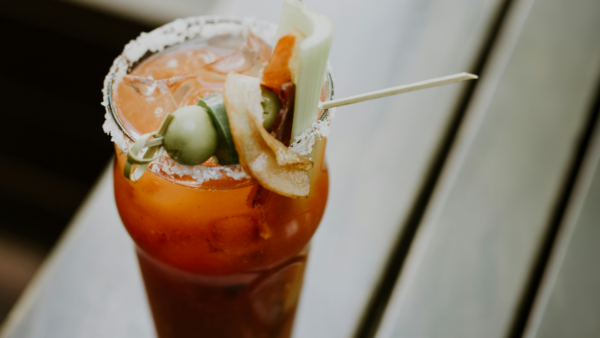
[
  {"x": 183, "y": 75},
  {"x": 249, "y": 59},
  {"x": 227, "y": 41},
  {"x": 236, "y": 234},
  {"x": 178, "y": 62},
  {"x": 237, "y": 62},
  {"x": 143, "y": 101}
]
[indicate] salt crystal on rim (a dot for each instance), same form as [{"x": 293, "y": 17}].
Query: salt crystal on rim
[{"x": 304, "y": 143}]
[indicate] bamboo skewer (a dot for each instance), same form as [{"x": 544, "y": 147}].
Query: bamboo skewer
[{"x": 440, "y": 81}]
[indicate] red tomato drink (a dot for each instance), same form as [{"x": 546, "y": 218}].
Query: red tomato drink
[{"x": 221, "y": 257}]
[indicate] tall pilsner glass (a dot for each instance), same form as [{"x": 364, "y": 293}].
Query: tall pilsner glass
[{"x": 220, "y": 256}]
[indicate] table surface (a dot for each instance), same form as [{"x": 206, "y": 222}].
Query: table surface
[{"x": 451, "y": 224}]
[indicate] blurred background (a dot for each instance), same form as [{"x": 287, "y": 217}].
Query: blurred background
[
  {"x": 51, "y": 84},
  {"x": 57, "y": 54}
]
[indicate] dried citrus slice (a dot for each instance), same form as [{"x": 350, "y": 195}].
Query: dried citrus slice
[{"x": 257, "y": 155}]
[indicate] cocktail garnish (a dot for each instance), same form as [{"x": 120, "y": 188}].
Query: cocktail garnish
[
  {"x": 439, "y": 81},
  {"x": 278, "y": 76},
  {"x": 272, "y": 164},
  {"x": 155, "y": 150},
  {"x": 251, "y": 122},
  {"x": 313, "y": 52},
  {"x": 278, "y": 71},
  {"x": 191, "y": 137},
  {"x": 285, "y": 157},
  {"x": 202, "y": 146},
  {"x": 215, "y": 106}
]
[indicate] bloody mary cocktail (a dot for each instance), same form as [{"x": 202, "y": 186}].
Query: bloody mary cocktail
[{"x": 220, "y": 255}]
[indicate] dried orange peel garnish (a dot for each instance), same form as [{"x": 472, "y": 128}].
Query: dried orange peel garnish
[
  {"x": 272, "y": 164},
  {"x": 283, "y": 66}
]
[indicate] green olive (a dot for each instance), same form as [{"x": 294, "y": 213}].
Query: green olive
[
  {"x": 271, "y": 107},
  {"x": 191, "y": 138}
]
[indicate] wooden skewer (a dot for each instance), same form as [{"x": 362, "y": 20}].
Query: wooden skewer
[{"x": 398, "y": 90}]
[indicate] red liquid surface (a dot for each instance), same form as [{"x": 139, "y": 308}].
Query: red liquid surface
[{"x": 221, "y": 259}]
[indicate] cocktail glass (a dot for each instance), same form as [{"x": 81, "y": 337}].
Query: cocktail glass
[{"x": 220, "y": 257}]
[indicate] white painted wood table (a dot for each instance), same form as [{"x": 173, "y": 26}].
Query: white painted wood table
[
  {"x": 469, "y": 268},
  {"x": 568, "y": 302}
]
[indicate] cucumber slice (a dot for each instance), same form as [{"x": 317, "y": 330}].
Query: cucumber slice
[
  {"x": 312, "y": 59},
  {"x": 215, "y": 106}
]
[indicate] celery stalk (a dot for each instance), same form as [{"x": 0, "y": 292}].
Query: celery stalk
[{"x": 312, "y": 59}]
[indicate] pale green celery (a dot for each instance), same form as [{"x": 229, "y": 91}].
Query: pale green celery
[{"x": 312, "y": 59}]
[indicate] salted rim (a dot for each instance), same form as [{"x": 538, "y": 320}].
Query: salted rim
[{"x": 177, "y": 32}]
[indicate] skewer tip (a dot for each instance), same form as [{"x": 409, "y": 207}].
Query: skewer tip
[{"x": 469, "y": 75}]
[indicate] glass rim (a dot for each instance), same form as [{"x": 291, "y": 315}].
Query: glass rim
[{"x": 121, "y": 59}]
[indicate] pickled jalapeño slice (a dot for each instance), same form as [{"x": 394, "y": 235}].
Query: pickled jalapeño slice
[{"x": 215, "y": 106}]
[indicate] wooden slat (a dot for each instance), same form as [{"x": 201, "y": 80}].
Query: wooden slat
[
  {"x": 90, "y": 285},
  {"x": 568, "y": 302},
  {"x": 475, "y": 249}
]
